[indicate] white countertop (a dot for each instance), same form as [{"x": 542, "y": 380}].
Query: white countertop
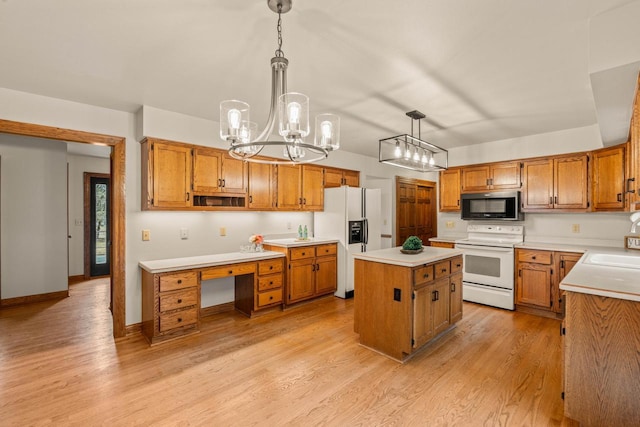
[
  {"x": 291, "y": 242},
  {"x": 202, "y": 261},
  {"x": 395, "y": 257},
  {"x": 606, "y": 281}
]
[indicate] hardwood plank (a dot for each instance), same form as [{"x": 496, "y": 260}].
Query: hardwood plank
[{"x": 59, "y": 365}]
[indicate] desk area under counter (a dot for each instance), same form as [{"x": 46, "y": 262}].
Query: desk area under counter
[{"x": 171, "y": 289}]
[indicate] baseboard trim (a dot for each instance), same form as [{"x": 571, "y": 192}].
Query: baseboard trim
[
  {"x": 28, "y": 299},
  {"x": 76, "y": 279},
  {"x": 217, "y": 309},
  {"x": 133, "y": 329}
]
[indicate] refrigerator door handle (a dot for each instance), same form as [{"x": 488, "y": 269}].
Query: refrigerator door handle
[{"x": 366, "y": 231}]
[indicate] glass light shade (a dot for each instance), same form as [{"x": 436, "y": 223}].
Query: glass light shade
[
  {"x": 327, "y": 132},
  {"x": 293, "y": 152},
  {"x": 293, "y": 111},
  {"x": 232, "y": 114},
  {"x": 248, "y": 131}
]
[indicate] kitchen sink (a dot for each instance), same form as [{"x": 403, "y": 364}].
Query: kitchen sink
[{"x": 613, "y": 260}]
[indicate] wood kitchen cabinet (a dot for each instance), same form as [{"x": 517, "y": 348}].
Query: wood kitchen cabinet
[
  {"x": 166, "y": 174},
  {"x": 494, "y": 176},
  {"x": 450, "y": 190},
  {"x": 300, "y": 187},
  {"x": 262, "y": 186},
  {"x": 560, "y": 183},
  {"x": 608, "y": 181},
  {"x": 335, "y": 177},
  {"x": 215, "y": 171},
  {"x": 633, "y": 159},
  {"x": 312, "y": 271}
]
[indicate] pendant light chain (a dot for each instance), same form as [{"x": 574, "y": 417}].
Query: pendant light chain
[{"x": 279, "y": 52}]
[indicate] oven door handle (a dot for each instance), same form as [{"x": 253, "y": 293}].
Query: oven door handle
[{"x": 483, "y": 248}]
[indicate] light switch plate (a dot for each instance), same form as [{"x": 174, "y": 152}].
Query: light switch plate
[{"x": 632, "y": 242}]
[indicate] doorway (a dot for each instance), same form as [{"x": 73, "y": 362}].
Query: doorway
[{"x": 97, "y": 225}]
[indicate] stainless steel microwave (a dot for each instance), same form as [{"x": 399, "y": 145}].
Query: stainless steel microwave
[{"x": 499, "y": 205}]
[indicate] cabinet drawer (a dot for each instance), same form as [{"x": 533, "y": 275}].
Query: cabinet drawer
[
  {"x": 442, "y": 269},
  {"x": 456, "y": 264},
  {"x": 270, "y": 297},
  {"x": 270, "y": 282},
  {"x": 323, "y": 250},
  {"x": 301, "y": 253},
  {"x": 269, "y": 267},
  {"x": 178, "y": 299},
  {"x": 535, "y": 257},
  {"x": 178, "y": 319},
  {"x": 423, "y": 274},
  {"x": 228, "y": 270},
  {"x": 171, "y": 282}
]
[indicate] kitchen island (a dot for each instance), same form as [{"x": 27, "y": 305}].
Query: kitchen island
[
  {"x": 602, "y": 339},
  {"x": 404, "y": 301}
]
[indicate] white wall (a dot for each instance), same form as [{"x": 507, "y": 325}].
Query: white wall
[
  {"x": 33, "y": 216},
  {"x": 78, "y": 165}
]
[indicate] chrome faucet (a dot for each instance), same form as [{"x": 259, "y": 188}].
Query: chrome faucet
[{"x": 635, "y": 219}]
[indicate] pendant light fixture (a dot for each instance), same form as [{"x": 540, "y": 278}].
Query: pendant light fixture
[
  {"x": 291, "y": 110},
  {"x": 409, "y": 152}
]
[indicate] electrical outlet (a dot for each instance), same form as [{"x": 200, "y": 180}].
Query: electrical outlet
[
  {"x": 223, "y": 231},
  {"x": 184, "y": 233},
  {"x": 288, "y": 225},
  {"x": 146, "y": 235},
  {"x": 575, "y": 228},
  {"x": 450, "y": 224}
]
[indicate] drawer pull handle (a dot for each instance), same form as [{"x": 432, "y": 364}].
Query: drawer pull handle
[
  {"x": 425, "y": 276},
  {"x": 179, "y": 319},
  {"x": 453, "y": 287},
  {"x": 271, "y": 297},
  {"x": 230, "y": 271},
  {"x": 179, "y": 300},
  {"x": 271, "y": 282},
  {"x": 271, "y": 267},
  {"x": 444, "y": 270},
  {"x": 457, "y": 265},
  {"x": 180, "y": 282},
  {"x": 533, "y": 257},
  {"x": 303, "y": 254}
]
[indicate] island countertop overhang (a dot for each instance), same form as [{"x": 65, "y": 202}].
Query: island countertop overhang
[{"x": 395, "y": 257}]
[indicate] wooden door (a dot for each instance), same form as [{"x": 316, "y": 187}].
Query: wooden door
[
  {"x": 424, "y": 214},
  {"x": 289, "y": 195},
  {"x": 207, "y": 166},
  {"x": 534, "y": 285},
  {"x": 171, "y": 175},
  {"x": 608, "y": 179},
  {"x": 332, "y": 178},
  {"x": 234, "y": 175},
  {"x": 571, "y": 182},
  {"x": 326, "y": 275},
  {"x": 405, "y": 211},
  {"x": 475, "y": 178},
  {"x": 450, "y": 190},
  {"x": 505, "y": 176},
  {"x": 422, "y": 315},
  {"x": 440, "y": 302},
  {"x": 455, "y": 297},
  {"x": 300, "y": 280},
  {"x": 312, "y": 188},
  {"x": 537, "y": 177},
  {"x": 261, "y": 184}
]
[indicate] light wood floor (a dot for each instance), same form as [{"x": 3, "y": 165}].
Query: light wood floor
[{"x": 59, "y": 365}]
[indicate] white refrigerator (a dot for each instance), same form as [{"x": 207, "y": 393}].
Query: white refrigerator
[{"x": 353, "y": 216}]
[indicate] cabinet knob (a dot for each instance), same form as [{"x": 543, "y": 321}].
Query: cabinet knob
[
  {"x": 180, "y": 282},
  {"x": 444, "y": 270},
  {"x": 271, "y": 297},
  {"x": 533, "y": 257},
  {"x": 425, "y": 276},
  {"x": 271, "y": 267},
  {"x": 230, "y": 271},
  {"x": 303, "y": 253},
  {"x": 179, "y": 300},
  {"x": 457, "y": 265},
  {"x": 271, "y": 282},
  {"x": 179, "y": 319}
]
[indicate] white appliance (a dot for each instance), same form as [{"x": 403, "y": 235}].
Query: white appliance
[
  {"x": 353, "y": 216},
  {"x": 488, "y": 258}
]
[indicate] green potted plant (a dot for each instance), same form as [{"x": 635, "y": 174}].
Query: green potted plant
[{"x": 412, "y": 245}]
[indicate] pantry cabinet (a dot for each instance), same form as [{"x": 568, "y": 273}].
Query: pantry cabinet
[
  {"x": 494, "y": 176},
  {"x": 450, "y": 190},
  {"x": 608, "y": 178}
]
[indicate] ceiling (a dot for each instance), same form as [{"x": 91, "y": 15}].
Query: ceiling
[{"x": 479, "y": 70}]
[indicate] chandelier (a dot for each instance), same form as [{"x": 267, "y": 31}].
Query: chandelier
[
  {"x": 409, "y": 152},
  {"x": 292, "y": 111}
]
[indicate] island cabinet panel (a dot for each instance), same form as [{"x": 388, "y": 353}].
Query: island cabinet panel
[
  {"x": 398, "y": 309},
  {"x": 601, "y": 364}
]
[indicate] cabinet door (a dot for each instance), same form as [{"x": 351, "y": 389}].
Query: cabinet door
[
  {"x": 422, "y": 315},
  {"x": 351, "y": 178},
  {"x": 289, "y": 187},
  {"x": 571, "y": 182},
  {"x": 608, "y": 179},
  {"x": 505, "y": 176},
  {"x": 300, "y": 284},
  {"x": 475, "y": 178},
  {"x": 234, "y": 175},
  {"x": 537, "y": 177},
  {"x": 534, "y": 286},
  {"x": 326, "y": 275},
  {"x": 566, "y": 261},
  {"x": 455, "y": 298},
  {"x": 171, "y": 175},
  {"x": 450, "y": 190},
  {"x": 332, "y": 178},
  {"x": 261, "y": 186},
  {"x": 441, "y": 307},
  {"x": 207, "y": 166},
  {"x": 312, "y": 188}
]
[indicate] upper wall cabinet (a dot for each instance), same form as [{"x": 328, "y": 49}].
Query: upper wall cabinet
[
  {"x": 262, "y": 186},
  {"x": 167, "y": 183},
  {"x": 556, "y": 183},
  {"x": 495, "y": 176},
  {"x": 608, "y": 179},
  {"x": 450, "y": 190},
  {"x": 633, "y": 180},
  {"x": 334, "y": 177},
  {"x": 214, "y": 172},
  {"x": 300, "y": 187}
]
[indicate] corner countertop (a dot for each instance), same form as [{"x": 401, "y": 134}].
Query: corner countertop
[
  {"x": 395, "y": 257},
  {"x": 292, "y": 242},
  {"x": 603, "y": 280},
  {"x": 203, "y": 261}
]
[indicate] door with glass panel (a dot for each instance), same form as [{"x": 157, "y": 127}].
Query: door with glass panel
[{"x": 98, "y": 227}]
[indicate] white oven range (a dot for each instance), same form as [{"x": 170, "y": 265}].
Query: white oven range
[{"x": 488, "y": 259}]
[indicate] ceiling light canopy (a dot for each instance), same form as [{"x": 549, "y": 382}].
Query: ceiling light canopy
[
  {"x": 409, "y": 152},
  {"x": 292, "y": 112}
]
